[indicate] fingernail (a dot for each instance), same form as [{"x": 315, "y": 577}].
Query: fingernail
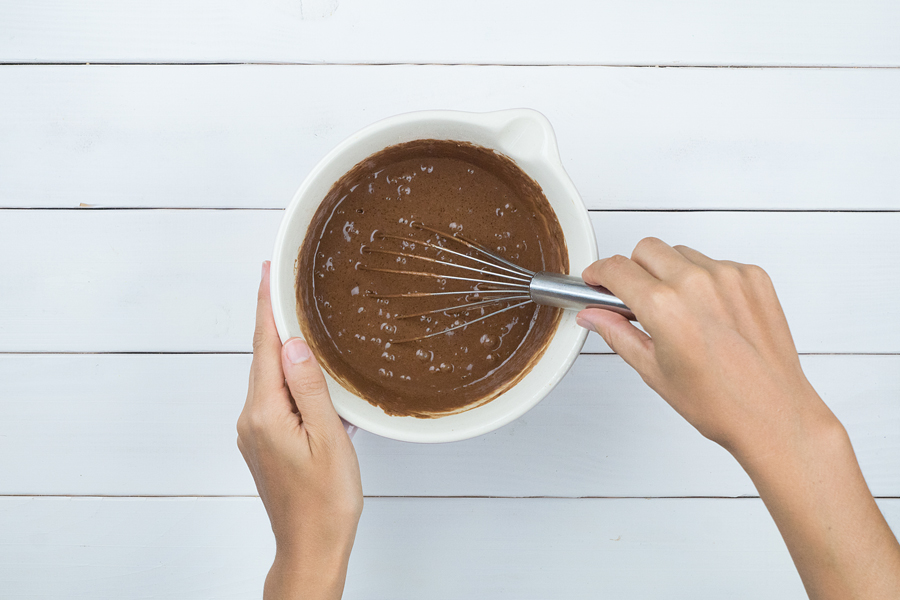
[
  {"x": 297, "y": 351},
  {"x": 586, "y": 324},
  {"x": 263, "y": 273}
]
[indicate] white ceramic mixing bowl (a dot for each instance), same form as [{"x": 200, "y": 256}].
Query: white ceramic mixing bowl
[{"x": 526, "y": 137}]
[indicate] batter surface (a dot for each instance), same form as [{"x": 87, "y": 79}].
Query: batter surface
[{"x": 455, "y": 188}]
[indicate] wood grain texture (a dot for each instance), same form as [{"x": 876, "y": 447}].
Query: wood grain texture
[
  {"x": 165, "y": 425},
  {"x": 631, "y": 138},
  {"x": 405, "y": 548},
  {"x": 647, "y": 32},
  {"x": 185, "y": 281}
]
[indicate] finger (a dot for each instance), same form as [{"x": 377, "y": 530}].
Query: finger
[
  {"x": 626, "y": 340},
  {"x": 308, "y": 387},
  {"x": 624, "y": 278},
  {"x": 266, "y": 371},
  {"x": 696, "y": 257},
  {"x": 659, "y": 259},
  {"x": 724, "y": 269}
]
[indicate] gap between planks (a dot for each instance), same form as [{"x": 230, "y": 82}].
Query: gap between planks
[
  {"x": 163, "y": 496},
  {"x": 213, "y": 352},
  {"x": 590, "y": 210},
  {"x": 429, "y": 64}
]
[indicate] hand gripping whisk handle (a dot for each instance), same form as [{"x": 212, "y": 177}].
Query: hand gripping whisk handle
[{"x": 568, "y": 291}]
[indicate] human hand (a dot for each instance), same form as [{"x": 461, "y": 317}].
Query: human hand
[
  {"x": 302, "y": 461},
  {"x": 718, "y": 350}
]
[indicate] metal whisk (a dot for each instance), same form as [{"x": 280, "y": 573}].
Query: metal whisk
[{"x": 509, "y": 283}]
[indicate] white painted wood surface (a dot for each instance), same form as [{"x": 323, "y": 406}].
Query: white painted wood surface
[
  {"x": 631, "y": 138},
  {"x": 406, "y": 548},
  {"x": 165, "y": 425},
  {"x": 645, "y": 32},
  {"x": 136, "y": 289},
  {"x": 185, "y": 281}
]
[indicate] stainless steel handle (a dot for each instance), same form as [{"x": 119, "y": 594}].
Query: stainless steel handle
[{"x": 568, "y": 291}]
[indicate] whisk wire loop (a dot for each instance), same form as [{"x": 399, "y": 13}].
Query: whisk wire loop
[
  {"x": 521, "y": 278},
  {"x": 460, "y": 307},
  {"x": 430, "y": 294},
  {"x": 473, "y": 246},
  {"x": 517, "y": 270},
  {"x": 461, "y": 325},
  {"x": 511, "y": 283},
  {"x": 516, "y": 285}
]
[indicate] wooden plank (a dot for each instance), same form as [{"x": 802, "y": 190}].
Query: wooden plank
[
  {"x": 405, "y": 548},
  {"x": 165, "y": 425},
  {"x": 631, "y": 138},
  {"x": 647, "y": 32},
  {"x": 819, "y": 262},
  {"x": 132, "y": 281},
  {"x": 185, "y": 281}
]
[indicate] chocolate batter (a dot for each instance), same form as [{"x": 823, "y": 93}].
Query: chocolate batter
[{"x": 452, "y": 187}]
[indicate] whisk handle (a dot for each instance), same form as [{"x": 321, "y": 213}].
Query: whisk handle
[{"x": 568, "y": 291}]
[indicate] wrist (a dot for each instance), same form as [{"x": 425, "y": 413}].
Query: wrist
[
  {"x": 812, "y": 486},
  {"x": 321, "y": 542},
  {"x": 325, "y": 558},
  {"x": 307, "y": 574},
  {"x": 805, "y": 434},
  {"x": 311, "y": 560}
]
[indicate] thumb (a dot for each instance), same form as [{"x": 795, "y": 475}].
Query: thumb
[
  {"x": 307, "y": 383},
  {"x": 633, "y": 345}
]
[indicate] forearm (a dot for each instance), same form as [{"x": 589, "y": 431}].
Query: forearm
[{"x": 811, "y": 484}]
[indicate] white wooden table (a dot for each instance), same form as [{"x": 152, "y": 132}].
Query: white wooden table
[{"x": 140, "y": 192}]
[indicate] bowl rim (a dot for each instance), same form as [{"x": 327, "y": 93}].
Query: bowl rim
[{"x": 564, "y": 360}]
